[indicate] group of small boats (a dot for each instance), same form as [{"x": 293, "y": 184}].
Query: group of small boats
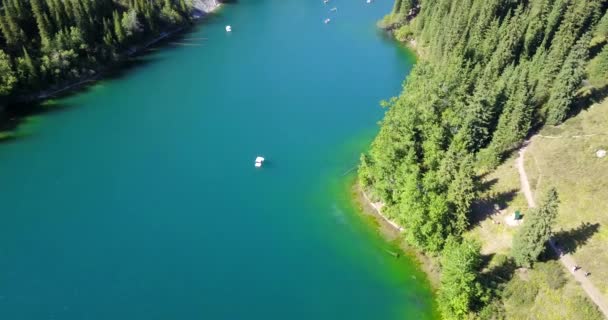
[
  {"x": 334, "y": 9},
  {"x": 259, "y": 161},
  {"x": 327, "y": 20}
]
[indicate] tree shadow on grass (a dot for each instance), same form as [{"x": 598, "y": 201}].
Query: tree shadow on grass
[
  {"x": 487, "y": 184},
  {"x": 491, "y": 205},
  {"x": 570, "y": 240},
  {"x": 586, "y": 99},
  {"x": 498, "y": 270}
]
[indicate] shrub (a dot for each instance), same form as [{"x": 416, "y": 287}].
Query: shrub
[
  {"x": 404, "y": 33},
  {"x": 553, "y": 274},
  {"x": 520, "y": 293}
]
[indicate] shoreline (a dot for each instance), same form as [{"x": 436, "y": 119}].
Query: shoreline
[
  {"x": 11, "y": 119},
  {"x": 377, "y": 206},
  {"x": 391, "y": 232},
  {"x": 77, "y": 83},
  {"x": 100, "y": 72}
]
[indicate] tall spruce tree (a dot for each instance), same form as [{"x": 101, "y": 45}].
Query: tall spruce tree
[
  {"x": 529, "y": 241},
  {"x": 7, "y": 75},
  {"x": 567, "y": 81},
  {"x": 459, "y": 284}
]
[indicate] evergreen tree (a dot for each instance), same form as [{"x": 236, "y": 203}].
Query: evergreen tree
[
  {"x": 27, "y": 69},
  {"x": 44, "y": 28},
  {"x": 529, "y": 241},
  {"x": 459, "y": 285},
  {"x": 119, "y": 31},
  {"x": 7, "y": 75},
  {"x": 567, "y": 82},
  {"x": 598, "y": 68}
]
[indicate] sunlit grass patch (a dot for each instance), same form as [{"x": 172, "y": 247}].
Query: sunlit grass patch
[{"x": 565, "y": 157}]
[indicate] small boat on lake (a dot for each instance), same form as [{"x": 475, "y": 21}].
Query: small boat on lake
[
  {"x": 258, "y": 161},
  {"x": 228, "y": 28},
  {"x": 326, "y": 21}
]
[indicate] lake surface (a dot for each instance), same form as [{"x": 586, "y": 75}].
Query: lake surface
[{"x": 138, "y": 198}]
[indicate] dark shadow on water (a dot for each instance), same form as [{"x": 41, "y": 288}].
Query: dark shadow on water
[
  {"x": 266, "y": 165},
  {"x": 16, "y": 113},
  {"x": 570, "y": 240}
]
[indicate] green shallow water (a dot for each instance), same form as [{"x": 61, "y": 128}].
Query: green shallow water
[{"x": 138, "y": 199}]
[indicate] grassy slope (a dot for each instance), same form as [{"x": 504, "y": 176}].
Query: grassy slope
[
  {"x": 564, "y": 157},
  {"x": 501, "y": 187},
  {"x": 568, "y": 163}
]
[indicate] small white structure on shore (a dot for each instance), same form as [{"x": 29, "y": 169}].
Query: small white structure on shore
[
  {"x": 600, "y": 153},
  {"x": 326, "y": 21},
  {"x": 258, "y": 161},
  {"x": 228, "y": 28}
]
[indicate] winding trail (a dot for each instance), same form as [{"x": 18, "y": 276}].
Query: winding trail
[{"x": 566, "y": 259}]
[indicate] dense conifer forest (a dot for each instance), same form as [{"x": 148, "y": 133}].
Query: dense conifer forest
[
  {"x": 490, "y": 73},
  {"x": 50, "y": 42}
]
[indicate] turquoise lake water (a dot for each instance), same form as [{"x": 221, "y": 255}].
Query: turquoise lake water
[{"x": 138, "y": 198}]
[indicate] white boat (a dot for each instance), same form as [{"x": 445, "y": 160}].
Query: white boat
[
  {"x": 228, "y": 28},
  {"x": 326, "y": 21},
  {"x": 333, "y": 9},
  {"x": 258, "y": 161}
]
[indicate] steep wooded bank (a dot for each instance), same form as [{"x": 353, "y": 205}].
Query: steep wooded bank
[
  {"x": 492, "y": 71},
  {"x": 50, "y": 42},
  {"x": 495, "y": 70}
]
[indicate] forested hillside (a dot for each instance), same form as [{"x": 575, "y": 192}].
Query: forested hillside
[
  {"x": 47, "y": 42},
  {"x": 492, "y": 71}
]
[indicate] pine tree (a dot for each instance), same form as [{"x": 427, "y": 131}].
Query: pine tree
[
  {"x": 7, "y": 75},
  {"x": 598, "y": 68},
  {"x": 30, "y": 68},
  {"x": 44, "y": 28},
  {"x": 7, "y": 33},
  {"x": 529, "y": 241},
  {"x": 459, "y": 285},
  {"x": 119, "y": 31},
  {"x": 567, "y": 82},
  {"x": 461, "y": 194}
]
